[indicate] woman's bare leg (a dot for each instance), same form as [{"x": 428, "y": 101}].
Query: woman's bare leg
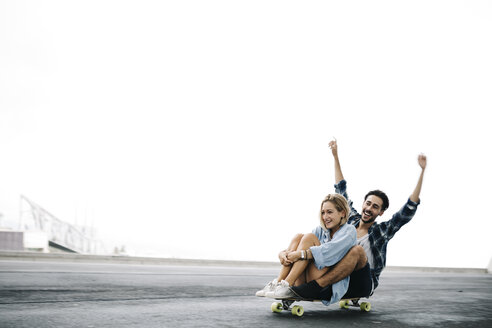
[
  {"x": 294, "y": 244},
  {"x": 297, "y": 272}
]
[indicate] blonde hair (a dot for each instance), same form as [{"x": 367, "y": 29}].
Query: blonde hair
[{"x": 340, "y": 204}]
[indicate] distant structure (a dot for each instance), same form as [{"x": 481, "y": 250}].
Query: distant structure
[{"x": 62, "y": 236}]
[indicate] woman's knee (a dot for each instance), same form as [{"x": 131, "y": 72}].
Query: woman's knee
[
  {"x": 296, "y": 240},
  {"x": 298, "y": 237},
  {"x": 310, "y": 239},
  {"x": 309, "y": 236}
]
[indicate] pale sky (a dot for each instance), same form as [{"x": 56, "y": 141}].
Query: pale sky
[{"x": 200, "y": 129}]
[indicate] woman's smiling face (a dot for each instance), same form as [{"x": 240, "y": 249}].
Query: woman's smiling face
[{"x": 331, "y": 216}]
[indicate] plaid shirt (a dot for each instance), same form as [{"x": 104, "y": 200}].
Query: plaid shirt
[{"x": 379, "y": 233}]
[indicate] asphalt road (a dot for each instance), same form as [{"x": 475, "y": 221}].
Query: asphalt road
[{"x": 61, "y": 294}]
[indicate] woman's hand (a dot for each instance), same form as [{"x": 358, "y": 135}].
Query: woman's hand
[
  {"x": 294, "y": 256},
  {"x": 284, "y": 259}
]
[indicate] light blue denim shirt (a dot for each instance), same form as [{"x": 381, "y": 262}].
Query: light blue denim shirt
[{"x": 331, "y": 251}]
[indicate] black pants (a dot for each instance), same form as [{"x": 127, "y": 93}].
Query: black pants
[{"x": 360, "y": 283}]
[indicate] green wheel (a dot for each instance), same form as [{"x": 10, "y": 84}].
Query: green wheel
[
  {"x": 365, "y": 306},
  {"x": 276, "y": 307},
  {"x": 297, "y": 310},
  {"x": 344, "y": 304}
]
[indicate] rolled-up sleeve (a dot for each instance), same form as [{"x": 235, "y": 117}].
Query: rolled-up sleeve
[
  {"x": 333, "y": 251},
  {"x": 399, "y": 219},
  {"x": 341, "y": 188}
]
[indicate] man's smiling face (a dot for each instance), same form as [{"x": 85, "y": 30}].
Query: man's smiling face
[{"x": 372, "y": 208}]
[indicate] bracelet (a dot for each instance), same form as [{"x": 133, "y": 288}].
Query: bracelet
[{"x": 303, "y": 257}]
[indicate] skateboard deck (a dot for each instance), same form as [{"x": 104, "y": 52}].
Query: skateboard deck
[{"x": 298, "y": 310}]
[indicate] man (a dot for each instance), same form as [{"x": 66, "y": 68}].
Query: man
[{"x": 365, "y": 262}]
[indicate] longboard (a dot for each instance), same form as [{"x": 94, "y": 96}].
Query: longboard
[{"x": 298, "y": 310}]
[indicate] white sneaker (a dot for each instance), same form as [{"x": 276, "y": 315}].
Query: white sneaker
[
  {"x": 282, "y": 291},
  {"x": 270, "y": 287}
]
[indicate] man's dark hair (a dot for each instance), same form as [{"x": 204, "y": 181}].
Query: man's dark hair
[{"x": 381, "y": 195}]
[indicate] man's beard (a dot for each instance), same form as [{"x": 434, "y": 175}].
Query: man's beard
[{"x": 369, "y": 221}]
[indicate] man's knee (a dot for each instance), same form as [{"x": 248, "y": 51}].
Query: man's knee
[
  {"x": 360, "y": 254},
  {"x": 357, "y": 250}
]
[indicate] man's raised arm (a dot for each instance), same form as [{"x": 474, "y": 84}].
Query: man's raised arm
[
  {"x": 338, "y": 168},
  {"x": 414, "y": 197}
]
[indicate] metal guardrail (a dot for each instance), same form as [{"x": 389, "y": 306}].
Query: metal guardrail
[{"x": 34, "y": 217}]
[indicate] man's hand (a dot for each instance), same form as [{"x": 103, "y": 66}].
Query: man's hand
[
  {"x": 422, "y": 161},
  {"x": 414, "y": 197},
  {"x": 334, "y": 147},
  {"x": 338, "y": 169}
]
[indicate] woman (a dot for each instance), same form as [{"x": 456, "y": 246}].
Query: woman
[{"x": 310, "y": 256}]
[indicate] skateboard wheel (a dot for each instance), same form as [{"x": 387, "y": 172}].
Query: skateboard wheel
[
  {"x": 297, "y": 310},
  {"x": 276, "y": 307},
  {"x": 365, "y": 306},
  {"x": 344, "y": 304}
]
